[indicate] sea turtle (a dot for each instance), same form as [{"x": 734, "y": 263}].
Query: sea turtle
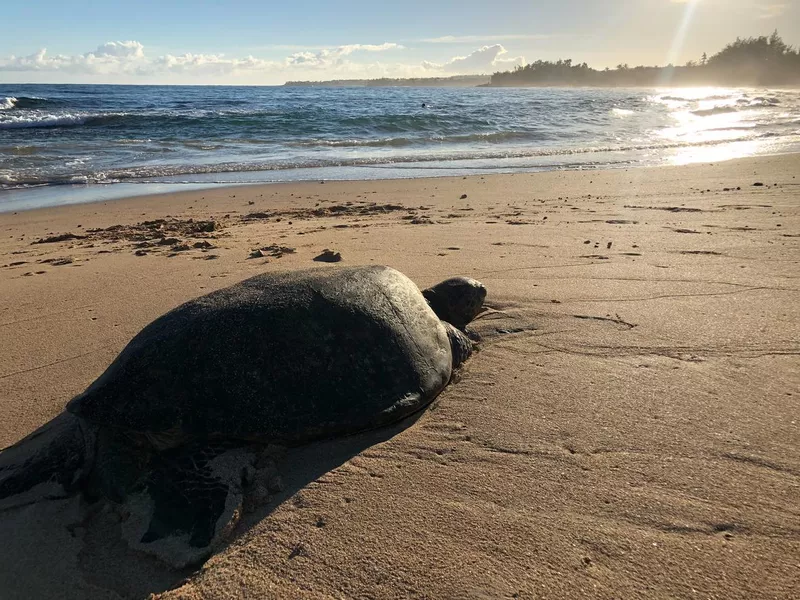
[{"x": 276, "y": 359}]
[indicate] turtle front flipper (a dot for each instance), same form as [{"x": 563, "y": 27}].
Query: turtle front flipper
[
  {"x": 188, "y": 501},
  {"x": 52, "y": 462},
  {"x": 460, "y": 345}
]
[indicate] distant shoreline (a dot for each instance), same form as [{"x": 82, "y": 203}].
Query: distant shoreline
[
  {"x": 466, "y": 81},
  {"x": 642, "y": 86},
  {"x": 765, "y": 61}
]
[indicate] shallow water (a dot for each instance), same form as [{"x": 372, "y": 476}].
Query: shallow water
[{"x": 66, "y": 138}]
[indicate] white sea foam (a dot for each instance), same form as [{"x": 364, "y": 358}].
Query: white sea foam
[
  {"x": 42, "y": 120},
  {"x": 8, "y": 103},
  {"x": 149, "y": 173}
]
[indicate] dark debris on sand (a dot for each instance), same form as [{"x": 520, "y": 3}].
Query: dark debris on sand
[
  {"x": 57, "y": 262},
  {"x": 672, "y": 209},
  {"x": 167, "y": 235},
  {"x": 275, "y": 251},
  {"x": 63, "y": 237},
  {"x": 348, "y": 209},
  {"x": 328, "y": 256},
  {"x": 157, "y": 231}
]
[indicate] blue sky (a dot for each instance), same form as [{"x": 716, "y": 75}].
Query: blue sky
[{"x": 262, "y": 42}]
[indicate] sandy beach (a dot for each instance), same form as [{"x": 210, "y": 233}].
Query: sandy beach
[{"x": 630, "y": 427}]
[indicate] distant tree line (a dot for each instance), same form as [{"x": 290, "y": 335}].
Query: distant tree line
[
  {"x": 454, "y": 81},
  {"x": 753, "y": 61}
]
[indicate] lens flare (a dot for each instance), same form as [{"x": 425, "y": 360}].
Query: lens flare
[{"x": 680, "y": 35}]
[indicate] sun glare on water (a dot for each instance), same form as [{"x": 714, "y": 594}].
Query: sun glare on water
[
  {"x": 702, "y": 154},
  {"x": 714, "y": 124}
]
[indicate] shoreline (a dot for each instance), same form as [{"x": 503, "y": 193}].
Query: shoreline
[
  {"x": 627, "y": 429},
  {"x": 98, "y": 197}
]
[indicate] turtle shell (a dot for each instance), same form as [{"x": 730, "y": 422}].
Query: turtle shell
[{"x": 284, "y": 358}]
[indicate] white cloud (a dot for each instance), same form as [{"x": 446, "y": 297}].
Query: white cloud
[
  {"x": 328, "y": 57},
  {"x": 483, "y": 60},
  {"x": 762, "y": 10},
  {"x": 204, "y": 64},
  {"x": 371, "y": 47},
  {"x": 128, "y": 62},
  {"x": 128, "y": 58},
  {"x": 128, "y": 49},
  {"x": 771, "y": 11},
  {"x": 33, "y": 62},
  {"x": 469, "y": 39},
  {"x": 108, "y": 56}
]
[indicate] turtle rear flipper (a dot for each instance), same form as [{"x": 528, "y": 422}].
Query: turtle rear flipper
[
  {"x": 189, "y": 500},
  {"x": 50, "y": 463}
]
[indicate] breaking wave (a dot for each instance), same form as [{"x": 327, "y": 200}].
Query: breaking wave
[
  {"x": 19, "y": 102},
  {"x": 146, "y": 174}
]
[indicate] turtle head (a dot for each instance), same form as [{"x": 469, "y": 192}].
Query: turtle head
[{"x": 457, "y": 300}]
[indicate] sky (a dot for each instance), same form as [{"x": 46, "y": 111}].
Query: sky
[{"x": 258, "y": 42}]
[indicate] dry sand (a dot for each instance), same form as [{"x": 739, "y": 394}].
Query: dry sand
[{"x": 629, "y": 429}]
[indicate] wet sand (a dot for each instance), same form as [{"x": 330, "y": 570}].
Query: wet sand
[{"x": 629, "y": 428}]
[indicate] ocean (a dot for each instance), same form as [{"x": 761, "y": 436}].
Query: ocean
[{"x": 62, "y": 144}]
